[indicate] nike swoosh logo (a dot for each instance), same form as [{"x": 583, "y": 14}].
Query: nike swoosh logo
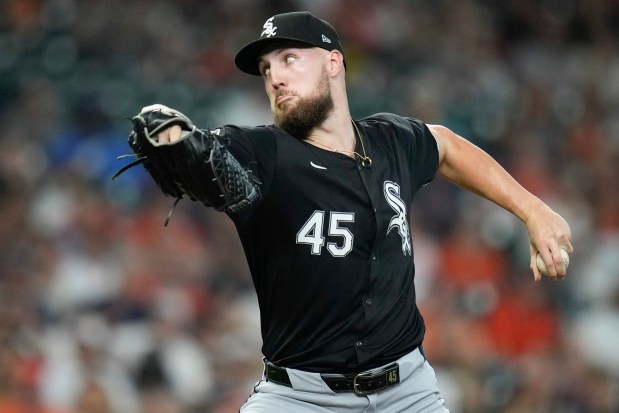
[{"x": 317, "y": 166}]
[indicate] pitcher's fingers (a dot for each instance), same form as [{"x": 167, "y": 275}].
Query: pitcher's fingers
[
  {"x": 537, "y": 275},
  {"x": 169, "y": 135},
  {"x": 175, "y": 133}
]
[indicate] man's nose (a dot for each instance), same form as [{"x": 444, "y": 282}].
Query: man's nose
[{"x": 278, "y": 78}]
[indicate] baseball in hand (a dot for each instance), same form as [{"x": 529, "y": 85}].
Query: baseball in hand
[{"x": 542, "y": 267}]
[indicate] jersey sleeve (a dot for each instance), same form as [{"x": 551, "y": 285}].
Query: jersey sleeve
[
  {"x": 419, "y": 144},
  {"x": 255, "y": 149},
  {"x": 425, "y": 152}
]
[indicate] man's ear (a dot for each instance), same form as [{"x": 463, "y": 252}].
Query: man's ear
[{"x": 336, "y": 62}]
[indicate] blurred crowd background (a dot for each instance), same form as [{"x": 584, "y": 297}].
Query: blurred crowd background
[{"x": 105, "y": 310}]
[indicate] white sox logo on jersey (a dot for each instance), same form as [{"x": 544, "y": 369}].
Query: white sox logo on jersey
[
  {"x": 399, "y": 220},
  {"x": 269, "y": 29}
]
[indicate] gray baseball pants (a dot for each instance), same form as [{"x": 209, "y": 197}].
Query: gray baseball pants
[{"x": 417, "y": 392}]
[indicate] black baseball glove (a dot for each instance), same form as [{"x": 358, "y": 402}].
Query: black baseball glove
[
  {"x": 197, "y": 165},
  {"x": 142, "y": 140}
]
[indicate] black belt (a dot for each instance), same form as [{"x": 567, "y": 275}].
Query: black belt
[{"x": 362, "y": 383}]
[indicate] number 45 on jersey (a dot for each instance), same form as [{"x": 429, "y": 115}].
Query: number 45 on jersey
[{"x": 311, "y": 233}]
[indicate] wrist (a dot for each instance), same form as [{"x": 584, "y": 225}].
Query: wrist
[{"x": 530, "y": 208}]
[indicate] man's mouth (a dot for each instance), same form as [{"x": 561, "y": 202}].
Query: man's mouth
[{"x": 283, "y": 99}]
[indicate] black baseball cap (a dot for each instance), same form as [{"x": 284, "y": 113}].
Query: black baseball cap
[{"x": 299, "y": 26}]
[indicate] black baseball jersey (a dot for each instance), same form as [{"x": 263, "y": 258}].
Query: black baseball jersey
[{"x": 328, "y": 243}]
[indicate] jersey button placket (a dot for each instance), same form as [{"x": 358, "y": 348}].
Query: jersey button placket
[{"x": 374, "y": 270}]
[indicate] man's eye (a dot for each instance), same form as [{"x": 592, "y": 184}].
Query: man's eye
[
  {"x": 290, "y": 59},
  {"x": 266, "y": 71}
]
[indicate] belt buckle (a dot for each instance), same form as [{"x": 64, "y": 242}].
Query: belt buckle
[
  {"x": 356, "y": 386},
  {"x": 389, "y": 375}
]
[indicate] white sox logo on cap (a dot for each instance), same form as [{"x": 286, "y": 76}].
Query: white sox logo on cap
[
  {"x": 269, "y": 29},
  {"x": 301, "y": 27}
]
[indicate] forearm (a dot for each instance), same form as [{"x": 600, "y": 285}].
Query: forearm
[
  {"x": 474, "y": 170},
  {"x": 471, "y": 168}
]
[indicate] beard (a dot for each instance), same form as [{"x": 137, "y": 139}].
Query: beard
[{"x": 308, "y": 113}]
